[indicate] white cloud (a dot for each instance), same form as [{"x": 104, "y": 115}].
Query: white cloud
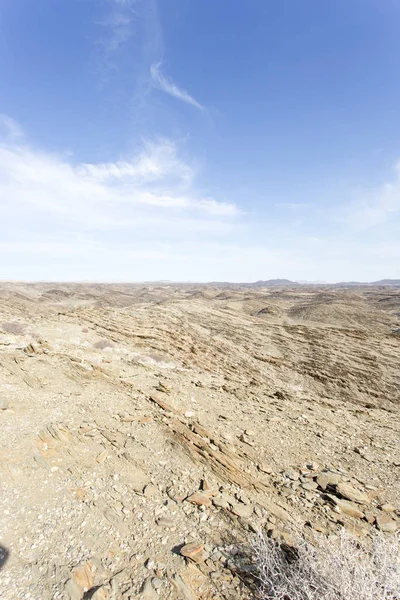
[
  {"x": 156, "y": 161},
  {"x": 144, "y": 217},
  {"x": 10, "y": 129},
  {"x": 169, "y": 87},
  {"x": 155, "y": 178},
  {"x": 62, "y": 220}
]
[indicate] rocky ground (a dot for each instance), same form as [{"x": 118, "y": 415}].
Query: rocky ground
[{"x": 148, "y": 432}]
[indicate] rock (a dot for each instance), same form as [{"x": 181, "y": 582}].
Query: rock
[
  {"x": 73, "y": 590},
  {"x": 194, "y": 551},
  {"x": 163, "y": 387},
  {"x": 83, "y": 577},
  {"x": 242, "y": 497},
  {"x": 205, "y": 486},
  {"x": 148, "y": 591},
  {"x": 189, "y": 414},
  {"x": 369, "y": 517},
  {"x": 150, "y": 490},
  {"x": 346, "y": 507},
  {"x": 310, "y": 486},
  {"x": 220, "y": 502},
  {"x": 150, "y": 564},
  {"x": 3, "y": 403},
  {"x": 264, "y": 468},
  {"x": 156, "y": 582},
  {"x": 165, "y": 521},
  {"x": 101, "y": 458},
  {"x": 318, "y": 526},
  {"x": 313, "y": 466},
  {"x": 102, "y": 593},
  {"x": 324, "y": 480},
  {"x": 199, "y": 498},
  {"x": 387, "y": 524},
  {"x": 183, "y": 589},
  {"x": 387, "y": 508},
  {"x": 350, "y": 493},
  {"x": 359, "y": 528},
  {"x": 244, "y": 438},
  {"x": 242, "y": 510},
  {"x": 291, "y": 474}
]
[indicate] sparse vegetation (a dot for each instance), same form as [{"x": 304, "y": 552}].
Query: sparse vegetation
[{"x": 330, "y": 568}]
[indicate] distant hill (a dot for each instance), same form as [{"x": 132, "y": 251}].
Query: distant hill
[
  {"x": 387, "y": 282},
  {"x": 272, "y": 283},
  {"x": 288, "y": 283}
]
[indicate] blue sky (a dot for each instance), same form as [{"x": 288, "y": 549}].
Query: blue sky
[{"x": 199, "y": 140}]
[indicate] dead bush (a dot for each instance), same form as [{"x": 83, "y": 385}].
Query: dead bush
[
  {"x": 330, "y": 568},
  {"x": 14, "y": 327}
]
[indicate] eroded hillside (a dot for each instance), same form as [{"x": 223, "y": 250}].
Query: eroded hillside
[{"x": 148, "y": 431}]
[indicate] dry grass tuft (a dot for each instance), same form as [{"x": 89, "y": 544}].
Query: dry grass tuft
[{"x": 332, "y": 568}]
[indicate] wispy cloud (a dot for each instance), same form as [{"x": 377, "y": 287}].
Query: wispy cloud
[
  {"x": 11, "y": 130},
  {"x": 154, "y": 186},
  {"x": 169, "y": 87},
  {"x": 374, "y": 208}
]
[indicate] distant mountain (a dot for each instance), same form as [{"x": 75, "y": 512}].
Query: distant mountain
[
  {"x": 272, "y": 283},
  {"x": 387, "y": 282},
  {"x": 288, "y": 283}
]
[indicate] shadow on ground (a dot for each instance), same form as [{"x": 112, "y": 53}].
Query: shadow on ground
[{"x": 4, "y": 553}]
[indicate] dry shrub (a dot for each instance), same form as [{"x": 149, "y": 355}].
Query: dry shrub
[
  {"x": 14, "y": 327},
  {"x": 102, "y": 344},
  {"x": 330, "y": 568}
]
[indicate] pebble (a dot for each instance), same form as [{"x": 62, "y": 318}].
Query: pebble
[{"x": 3, "y": 404}]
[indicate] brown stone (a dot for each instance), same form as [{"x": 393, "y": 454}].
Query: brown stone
[
  {"x": 350, "y": 493},
  {"x": 83, "y": 577},
  {"x": 242, "y": 510},
  {"x": 346, "y": 507},
  {"x": 387, "y": 524},
  {"x": 194, "y": 551},
  {"x": 200, "y": 498},
  {"x": 326, "y": 479},
  {"x": 387, "y": 508},
  {"x": 101, "y": 458}
]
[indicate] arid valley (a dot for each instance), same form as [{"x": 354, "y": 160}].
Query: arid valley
[{"x": 149, "y": 431}]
